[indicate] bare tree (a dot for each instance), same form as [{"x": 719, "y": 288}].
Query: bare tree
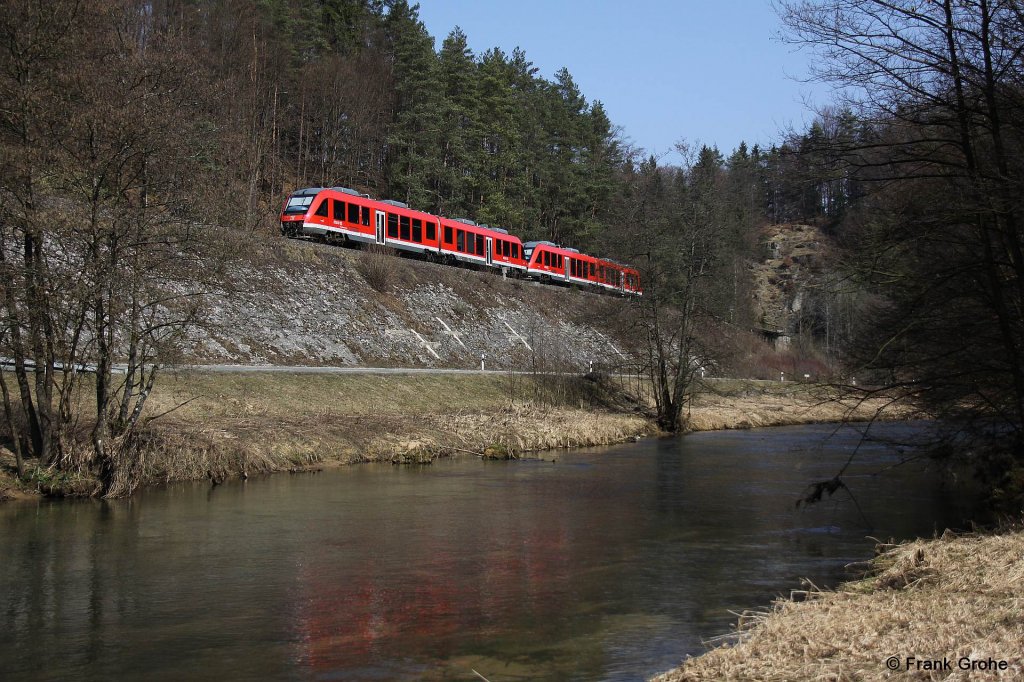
[
  {"x": 684, "y": 241},
  {"x": 100, "y": 256},
  {"x": 938, "y": 86}
]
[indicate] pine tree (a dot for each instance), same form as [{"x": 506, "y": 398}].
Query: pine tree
[
  {"x": 460, "y": 126},
  {"x": 415, "y": 140}
]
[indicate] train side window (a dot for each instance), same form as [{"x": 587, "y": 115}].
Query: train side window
[
  {"x": 404, "y": 222},
  {"x": 591, "y": 269},
  {"x": 547, "y": 258},
  {"x": 447, "y": 234},
  {"x": 353, "y": 214},
  {"x": 431, "y": 231},
  {"x": 479, "y": 245},
  {"x": 417, "y": 230},
  {"x": 460, "y": 240},
  {"x": 322, "y": 209},
  {"x": 515, "y": 250},
  {"x": 558, "y": 264},
  {"x": 339, "y": 210},
  {"x": 393, "y": 225},
  {"x": 365, "y": 216}
]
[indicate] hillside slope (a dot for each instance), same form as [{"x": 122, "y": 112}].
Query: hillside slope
[{"x": 297, "y": 302}]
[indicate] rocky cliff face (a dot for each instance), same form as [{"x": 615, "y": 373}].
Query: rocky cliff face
[
  {"x": 310, "y": 304},
  {"x": 793, "y": 259}
]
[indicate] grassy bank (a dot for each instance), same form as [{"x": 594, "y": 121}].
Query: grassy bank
[
  {"x": 225, "y": 425},
  {"x": 745, "y": 404},
  {"x": 951, "y": 608}
]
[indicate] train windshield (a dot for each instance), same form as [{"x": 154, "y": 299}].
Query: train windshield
[{"x": 298, "y": 204}]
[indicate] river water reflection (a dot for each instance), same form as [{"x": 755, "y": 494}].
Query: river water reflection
[{"x": 610, "y": 564}]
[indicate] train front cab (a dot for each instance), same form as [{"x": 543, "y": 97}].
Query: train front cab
[
  {"x": 335, "y": 213},
  {"x": 547, "y": 261},
  {"x": 295, "y": 209}
]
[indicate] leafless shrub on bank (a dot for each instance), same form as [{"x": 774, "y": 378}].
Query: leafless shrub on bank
[{"x": 377, "y": 266}]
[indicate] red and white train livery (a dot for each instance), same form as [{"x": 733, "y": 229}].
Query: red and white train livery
[{"x": 342, "y": 214}]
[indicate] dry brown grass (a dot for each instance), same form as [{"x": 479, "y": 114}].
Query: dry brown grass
[
  {"x": 272, "y": 395},
  {"x": 227, "y": 425},
  {"x": 778, "y": 405},
  {"x": 953, "y": 598}
]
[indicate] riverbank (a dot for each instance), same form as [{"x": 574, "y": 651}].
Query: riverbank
[
  {"x": 224, "y": 425},
  {"x": 943, "y": 609}
]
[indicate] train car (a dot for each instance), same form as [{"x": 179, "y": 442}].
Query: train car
[
  {"x": 408, "y": 229},
  {"x": 465, "y": 241},
  {"x": 619, "y": 277},
  {"x": 343, "y": 214},
  {"x": 611, "y": 275},
  {"x": 583, "y": 269},
  {"x": 550, "y": 262}
]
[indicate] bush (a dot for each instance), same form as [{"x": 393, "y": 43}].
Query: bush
[{"x": 377, "y": 267}]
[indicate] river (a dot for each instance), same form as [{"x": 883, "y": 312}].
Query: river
[{"x": 608, "y": 564}]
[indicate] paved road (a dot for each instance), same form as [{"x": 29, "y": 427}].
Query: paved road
[
  {"x": 8, "y": 364},
  {"x": 304, "y": 369}
]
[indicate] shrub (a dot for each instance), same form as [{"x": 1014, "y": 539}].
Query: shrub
[{"x": 377, "y": 267}]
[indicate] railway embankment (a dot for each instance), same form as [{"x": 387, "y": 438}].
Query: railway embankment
[
  {"x": 303, "y": 303},
  {"x": 947, "y": 608}
]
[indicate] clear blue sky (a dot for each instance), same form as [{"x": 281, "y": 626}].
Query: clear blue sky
[{"x": 707, "y": 71}]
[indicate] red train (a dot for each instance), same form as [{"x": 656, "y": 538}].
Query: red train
[{"x": 345, "y": 215}]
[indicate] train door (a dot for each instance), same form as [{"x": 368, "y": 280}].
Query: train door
[
  {"x": 490, "y": 251},
  {"x": 622, "y": 281},
  {"x": 380, "y": 227},
  {"x": 568, "y": 262}
]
